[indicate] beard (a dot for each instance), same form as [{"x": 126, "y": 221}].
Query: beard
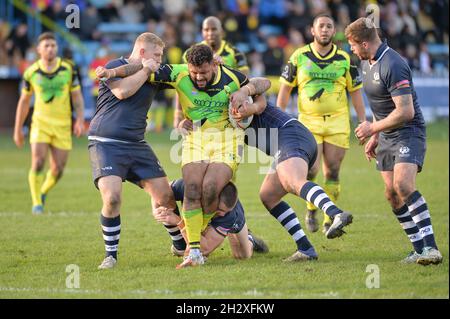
[
  {"x": 208, "y": 83},
  {"x": 323, "y": 43}
]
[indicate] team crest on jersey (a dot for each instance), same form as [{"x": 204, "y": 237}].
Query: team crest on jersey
[
  {"x": 404, "y": 151},
  {"x": 376, "y": 78},
  {"x": 194, "y": 92}
]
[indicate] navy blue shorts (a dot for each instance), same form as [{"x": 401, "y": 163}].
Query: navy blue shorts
[
  {"x": 231, "y": 223},
  {"x": 130, "y": 161},
  {"x": 295, "y": 140},
  {"x": 409, "y": 146}
]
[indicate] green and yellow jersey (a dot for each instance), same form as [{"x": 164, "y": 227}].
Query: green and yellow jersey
[
  {"x": 322, "y": 81},
  {"x": 52, "y": 90},
  {"x": 208, "y": 106},
  {"x": 231, "y": 56}
]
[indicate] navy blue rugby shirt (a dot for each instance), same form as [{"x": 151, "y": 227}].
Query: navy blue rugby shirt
[
  {"x": 123, "y": 120},
  {"x": 387, "y": 77}
]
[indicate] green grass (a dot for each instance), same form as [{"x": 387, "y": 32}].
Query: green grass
[{"x": 35, "y": 250}]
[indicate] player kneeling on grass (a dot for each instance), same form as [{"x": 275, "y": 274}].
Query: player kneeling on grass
[{"x": 229, "y": 221}]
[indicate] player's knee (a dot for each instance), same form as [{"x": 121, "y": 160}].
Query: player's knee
[
  {"x": 403, "y": 188},
  {"x": 391, "y": 196},
  {"x": 267, "y": 199},
  {"x": 209, "y": 193},
  {"x": 112, "y": 200},
  {"x": 38, "y": 164},
  {"x": 332, "y": 174},
  {"x": 58, "y": 171},
  {"x": 165, "y": 199},
  {"x": 192, "y": 191}
]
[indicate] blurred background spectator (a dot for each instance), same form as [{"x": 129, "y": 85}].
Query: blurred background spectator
[{"x": 268, "y": 31}]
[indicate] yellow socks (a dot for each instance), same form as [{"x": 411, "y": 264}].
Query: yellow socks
[
  {"x": 206, "y": 219},
  {"x": 333, "y": 189},
  {"x": 35, "y": 180},
  {"x": 193, "y": 221},
  {"x": 50, "y": 181}
]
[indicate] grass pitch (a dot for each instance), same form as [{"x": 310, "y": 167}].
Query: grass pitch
[{"x": 35, "y": 251}]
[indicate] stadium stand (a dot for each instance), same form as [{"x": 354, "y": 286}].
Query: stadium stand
[{"x": 417, "y": 29}]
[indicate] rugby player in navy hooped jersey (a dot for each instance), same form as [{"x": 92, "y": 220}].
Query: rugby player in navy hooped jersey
[
  {"x": 117, "y": 148},
  {"x": 228, "y": 222},
  {"x": 295, "y": 151},
  {"x": 397, "y": 137}
]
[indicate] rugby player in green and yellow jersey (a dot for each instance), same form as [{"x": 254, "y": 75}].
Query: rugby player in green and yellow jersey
[
  {"x": 224, "y": 52},
  {"x": 53, "y": 82},
  {"x": 212, "y": 150},
  {"x": 324, "y": 74}
]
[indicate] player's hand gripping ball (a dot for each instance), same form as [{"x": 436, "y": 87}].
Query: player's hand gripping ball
[{"x": 241, "y": 123}]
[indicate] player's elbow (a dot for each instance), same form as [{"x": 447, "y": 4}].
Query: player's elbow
[
  {"x": 120, "y": 93},
  {"x": 409, "y": 114}
]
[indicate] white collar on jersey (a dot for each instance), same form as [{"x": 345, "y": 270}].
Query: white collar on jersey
[{"x": 379, "y": 58}]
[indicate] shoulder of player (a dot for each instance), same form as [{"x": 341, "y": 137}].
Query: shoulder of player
[
  {"x": 227, "y": 70},
  {"x": 31, "y": 69},
  {"x": 67, "y": 63},
  {"x": 301, "y": 50},
  {"x": 343, "y": 53},
  {"x": 111, "y": 64},
  {"x": 230, "y": 47},
  {"x": 392, "y": 61}
]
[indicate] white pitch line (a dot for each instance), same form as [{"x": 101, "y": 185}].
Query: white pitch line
[
  {"x": 165, "y": 292},
  {"x": 58, "y": 214}
]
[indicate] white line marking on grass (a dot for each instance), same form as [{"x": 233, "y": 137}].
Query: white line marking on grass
[
  {"x": 166, "y": 292},
  {"x": 63, "y": 214},
  {"x": 24, "y": 171}
]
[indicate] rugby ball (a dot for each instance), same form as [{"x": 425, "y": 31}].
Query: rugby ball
[{"x": 245, "y": 122}]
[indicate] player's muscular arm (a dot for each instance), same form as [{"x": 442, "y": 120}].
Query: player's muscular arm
[
  {"x": 78, "y": 105},
  {"x": 358, "y": 104},
  {"x": 23, "y": 107},
  {"x": 178, "y": 112},
  {"x": 128, "y": 86},
  {"x": 283, "y": 96},
  {"x": 259, "y": 84},
  {"x": 403, "y": 112}
]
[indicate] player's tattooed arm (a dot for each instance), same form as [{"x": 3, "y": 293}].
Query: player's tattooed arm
[
  {"x": 403, "y": 112},
  {"x": 120, "y": 72},
  {"x": 128, "y": 69},
  {"x": 259, "y": 84},
  {"x": 256, "y": 86}
]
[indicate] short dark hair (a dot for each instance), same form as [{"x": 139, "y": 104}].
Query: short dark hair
[
  {"x": 229, "y": 195},
  {"x": 322, "y": 15},
  {"x": 46, "y": 36},
  {"x": 199, "y": 54}
]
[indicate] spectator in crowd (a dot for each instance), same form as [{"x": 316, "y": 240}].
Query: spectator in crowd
[{"x": 17, "y": 44}]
